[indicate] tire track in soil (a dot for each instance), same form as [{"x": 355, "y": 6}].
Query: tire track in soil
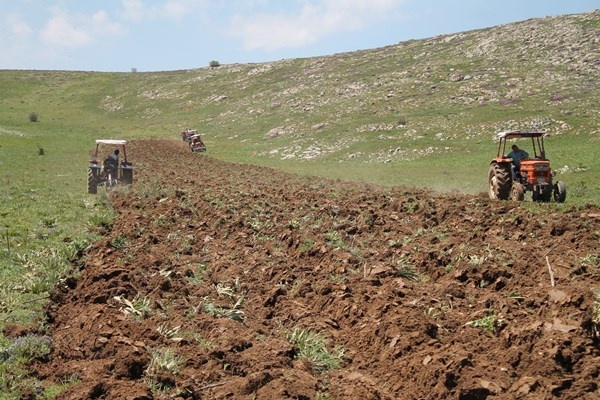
[{"x": 326, "y": 255}]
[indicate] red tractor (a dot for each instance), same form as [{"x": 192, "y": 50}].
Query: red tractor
[
  {"x": 193, "y": 139},
  {"x": 110, "y": 172},
  {"x": 508, "y": 178},
  {"x": 196, "y": 144},
  {"x": 187, "y": 133}
]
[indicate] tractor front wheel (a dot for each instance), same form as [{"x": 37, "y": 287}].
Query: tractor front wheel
[
  {"x": 560, "y": 192},
  {"x": 517, "y": 193},
  {"x": 499, "y": 180}
]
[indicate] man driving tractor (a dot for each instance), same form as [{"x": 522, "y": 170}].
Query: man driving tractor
[
  {"x": 517, "y": 155},
  {"x": 111, "y": 163},
  {"x": 111, "y": 171}
]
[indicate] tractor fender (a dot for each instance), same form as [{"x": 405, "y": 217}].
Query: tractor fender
[{"x": 501, "y": 160}]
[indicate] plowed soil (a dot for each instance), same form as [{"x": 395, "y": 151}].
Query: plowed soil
[{"x": 210, "y": 268}]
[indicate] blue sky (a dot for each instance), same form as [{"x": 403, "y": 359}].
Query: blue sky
[{"x": 167, "y": 35}]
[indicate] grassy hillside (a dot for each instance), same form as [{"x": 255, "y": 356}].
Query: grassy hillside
[{"x": 419, "y": 112}]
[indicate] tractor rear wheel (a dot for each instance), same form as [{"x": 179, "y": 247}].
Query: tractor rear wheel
[
  {"x": 92, "y": 185},
  {"x": 127, "y": 176},
  {"x": 560, "y": 192},
  {"x": 517, "y": 193},
  {"x": 499, "y": 181},
  {"x": 126, "y": 173}
]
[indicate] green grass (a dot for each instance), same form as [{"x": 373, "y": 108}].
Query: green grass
[
  {"x": 46, "y": 223},
  {"x": 314, "y": 347},
  {"x": 488, "y": 323}
]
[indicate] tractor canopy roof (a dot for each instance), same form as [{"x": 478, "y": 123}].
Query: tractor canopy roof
[
  {"x": 519, "y": 134},
  {"x": 111, "y": 141}
]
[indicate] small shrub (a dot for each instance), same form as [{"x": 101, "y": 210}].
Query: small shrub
[
  {"x": 516, "y": 296},
  {"x": 197, "y": 277},
  {"x": 138, "y": 307},
  {"x": 306, "y": 246},
  {"x": 119, "y": 242},
  {"x": 234, "y": 295},
  {"x": 405, "y": 269},
  {"x": 101, "y": 219},
  {"x": 169, "y": 332},
  {"x": 52, "y": 391},
  {"x": 477, "y": 260},
  {"x": 334, "y": 241},
  {"x": 313, "y": 347},
  {"x": 233, "y": 313},
  {"x": 27, "y": 348},
  {"x": 589, "y": 261},
  {"x": 229, "y": 291},
  {"x": 293, "y": 224},
  {"x": 491, "y": 323},
  {"x": 33, "y": 117},
  {"x": 338, "y": 278},
  {"x": 164, "y": 360}
]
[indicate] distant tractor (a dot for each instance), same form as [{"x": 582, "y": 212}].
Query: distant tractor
[
  {"x": 110, "y": 172},
  {"x": 196, "y": 144},
  {"x": 187, "y": 133},
  {"x": 508, "y": 179},
  {"x": 193, "y": 139}
]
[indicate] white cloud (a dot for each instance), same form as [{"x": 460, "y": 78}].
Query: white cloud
[
  {"x": 175, "y": 9},
  {"x": 133, "y": 10},
  {"x": 59, "y": 31},
  {"x": 313, "y": 20},
  {"x": 102, "y": 24},
  {"x": 16, "y": 26},
  {"x": 66, "y": 30},
  {"x": 138, "y": 10},
  {"x": 15, "y": 40},
  {"x": 272, "y": 32}
]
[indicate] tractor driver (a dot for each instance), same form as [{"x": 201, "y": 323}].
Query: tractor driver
[
  {"x": 111, "y": 164},
  {"x": 517, "y": 155}
]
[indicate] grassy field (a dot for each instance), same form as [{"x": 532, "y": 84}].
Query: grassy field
[
  {"x": 419, "y": 114},
  {"x": 46, "y": 223}
]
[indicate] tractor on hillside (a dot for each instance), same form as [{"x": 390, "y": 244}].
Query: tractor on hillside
[
  {"x": 193, "y": 139},
  {"x": 510, "y": 178},
  {"x": 110, "y": 172},
  {"x": 196, "y": 144},
  {"x": 187, "y": 133}
]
